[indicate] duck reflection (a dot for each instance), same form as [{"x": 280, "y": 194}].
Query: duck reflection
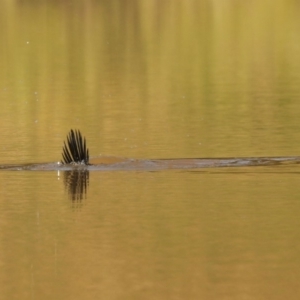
[{"x": 76, "y": 183}]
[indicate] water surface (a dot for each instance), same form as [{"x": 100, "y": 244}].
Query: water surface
[{"x": 150, "y": 80}]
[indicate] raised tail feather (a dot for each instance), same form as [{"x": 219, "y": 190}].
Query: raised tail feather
[{"x": 75, "y": 150}]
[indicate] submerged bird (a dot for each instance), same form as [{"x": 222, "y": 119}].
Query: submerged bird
[
  {"x": 75, "y": 151},
  {"x": 75, "y": 157}
]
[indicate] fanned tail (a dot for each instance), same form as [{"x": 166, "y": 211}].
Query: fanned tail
[{"x": 75, "y": 150}]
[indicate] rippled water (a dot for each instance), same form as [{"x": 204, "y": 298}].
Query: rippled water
[{"x": 150, "y": 81}]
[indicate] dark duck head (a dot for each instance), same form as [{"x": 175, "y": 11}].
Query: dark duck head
[{"x": 75, "y": 151}]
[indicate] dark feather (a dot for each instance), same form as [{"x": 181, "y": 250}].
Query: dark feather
[{"x": 75, "y": 150}]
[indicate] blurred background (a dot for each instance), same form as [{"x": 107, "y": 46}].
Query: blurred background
[{"x": 151, "y": 79}]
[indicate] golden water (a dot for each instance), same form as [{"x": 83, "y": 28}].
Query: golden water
[{"x": 150, "y": 79}]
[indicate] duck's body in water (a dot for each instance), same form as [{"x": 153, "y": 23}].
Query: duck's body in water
[{"x": 75, "y": 155}]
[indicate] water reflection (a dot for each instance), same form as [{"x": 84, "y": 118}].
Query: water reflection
[
  {"x": 77, "y": 180},
  {"x": 76, "y": 183}
]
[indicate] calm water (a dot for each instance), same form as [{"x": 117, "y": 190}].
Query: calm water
[{"x": 150, "y": 79}]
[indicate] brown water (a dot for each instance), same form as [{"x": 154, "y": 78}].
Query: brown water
[{"x": 153, "y": 80}]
